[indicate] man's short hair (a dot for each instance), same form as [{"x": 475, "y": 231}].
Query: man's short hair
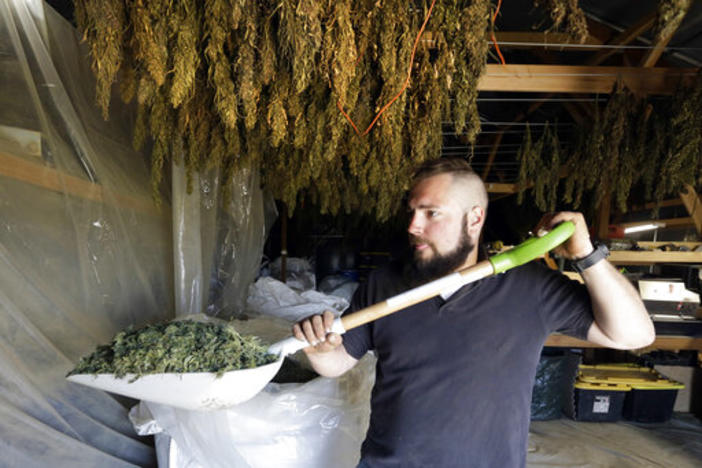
[
  {"x": 435, "y": 167},
  {"x": 461, "y": 172}
]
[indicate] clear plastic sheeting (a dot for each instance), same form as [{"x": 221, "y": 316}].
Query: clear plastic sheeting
[
  {"x": 317, "y": 424},
  {"x": 85, "y": 253},
  {"x": 217, "y": 245}
]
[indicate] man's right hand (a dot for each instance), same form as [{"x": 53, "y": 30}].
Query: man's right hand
[{"x": 316, "y": 330}]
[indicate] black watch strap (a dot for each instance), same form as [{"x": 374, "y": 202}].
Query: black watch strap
[{"x": 600, "y": 253}]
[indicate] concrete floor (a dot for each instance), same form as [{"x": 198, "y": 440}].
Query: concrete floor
[{"x": 567, "y": 443}]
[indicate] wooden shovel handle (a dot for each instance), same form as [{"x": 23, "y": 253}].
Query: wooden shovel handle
[
  {"x": 414, "y": 296},
  {"x": 519, "y": 255}
]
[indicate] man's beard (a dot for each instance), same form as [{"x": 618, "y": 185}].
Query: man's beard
[{"x": 423, "y": 271}]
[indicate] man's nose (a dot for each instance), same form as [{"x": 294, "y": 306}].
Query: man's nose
[{"x": 416, "y": 226}]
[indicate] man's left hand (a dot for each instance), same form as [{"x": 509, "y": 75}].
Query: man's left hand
[{"x": 578, "y": 245}]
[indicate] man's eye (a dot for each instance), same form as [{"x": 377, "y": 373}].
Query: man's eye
[{"x": 432, "y": 213}]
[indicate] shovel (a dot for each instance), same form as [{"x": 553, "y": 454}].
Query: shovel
[{"x": 205, "y": 391}]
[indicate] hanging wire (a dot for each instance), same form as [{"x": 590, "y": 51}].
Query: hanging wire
[
  {"x": 521, "y": 124},
  {"x": 506, "y": 132}
]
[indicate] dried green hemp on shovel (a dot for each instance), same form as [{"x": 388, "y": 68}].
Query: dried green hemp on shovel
[{"x": 176, "y": 347}]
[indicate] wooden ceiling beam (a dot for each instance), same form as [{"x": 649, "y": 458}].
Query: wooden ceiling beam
[
  {"x": 598, "y": 33},
  {"x": 625, "y": 37},
  {"x": 652, "y": 205},
  {"x": 581, "y": 79}
]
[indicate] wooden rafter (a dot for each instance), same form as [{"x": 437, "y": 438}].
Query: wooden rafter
[
  {"x": 623, "y": 38},
  {"x": 582, "y": 79},
  {"x": 494, "y": 187},
  {"x": 652, "y": 205}
]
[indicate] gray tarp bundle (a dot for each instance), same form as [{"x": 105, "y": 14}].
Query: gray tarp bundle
[{"x": 84, "y": 252}]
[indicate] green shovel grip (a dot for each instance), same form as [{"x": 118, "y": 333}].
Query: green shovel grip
[{"x": 532, "y": 248}]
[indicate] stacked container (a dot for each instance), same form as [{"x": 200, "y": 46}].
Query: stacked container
[{"x": 606, "y": 392}]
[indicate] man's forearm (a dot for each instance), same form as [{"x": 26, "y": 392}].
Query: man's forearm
[{"x": 620, "y": 315}]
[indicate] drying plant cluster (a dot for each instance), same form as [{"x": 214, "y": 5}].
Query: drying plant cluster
[
  {"x": 281, "y": 85},
  {"x": 655, "y": 144}
]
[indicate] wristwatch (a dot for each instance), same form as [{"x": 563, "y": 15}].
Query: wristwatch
[{"x": 600, "y": 253}]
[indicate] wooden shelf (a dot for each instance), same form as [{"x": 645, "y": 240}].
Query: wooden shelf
[
  {"x": 632, "y": 257},
  {"x": 668, "y": 342}
]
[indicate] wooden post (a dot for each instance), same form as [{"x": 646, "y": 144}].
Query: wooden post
[
  {"x": 601, "y": 227},
  {"x": 693, "y": 204}
]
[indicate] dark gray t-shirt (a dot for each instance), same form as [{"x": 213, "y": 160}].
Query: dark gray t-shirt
[{"x": 454, "y": 378}]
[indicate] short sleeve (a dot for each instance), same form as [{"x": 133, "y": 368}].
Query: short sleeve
[
  {"x": 565, "y": 305},
  {"x": 358, "y": 341}
]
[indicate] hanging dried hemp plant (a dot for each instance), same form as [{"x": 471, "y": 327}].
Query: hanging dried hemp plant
[
  {"x": 668, "y": 17},
  {"x": 229, "y": 84},
  {"x": 540, "y": 166},
  {"x": 566, "y": 16},
  {"x": 631, "y": 143}
]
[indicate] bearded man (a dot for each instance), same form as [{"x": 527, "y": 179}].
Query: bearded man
[{"x": 455, "y": 373}]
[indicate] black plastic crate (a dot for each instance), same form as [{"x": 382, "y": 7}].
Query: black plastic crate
[
  {"x": 649, "y": 406},
  {"x": 652, "y": 395},
  {"x": 598, "y": 402}
]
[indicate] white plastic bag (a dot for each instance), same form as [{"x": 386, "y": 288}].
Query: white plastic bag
[
  {"x": 268, "y": 296},
  {"x": 320, "y": 423},
  {"x": 338, "y": 285},
  {"x": 299, "y": 274}
]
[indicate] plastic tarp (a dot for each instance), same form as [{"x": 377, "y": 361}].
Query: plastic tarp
[
  {"x": 268, "y": 296},
  {"x": 84, "y": 252},
  {"x": 317, "y": 424}
]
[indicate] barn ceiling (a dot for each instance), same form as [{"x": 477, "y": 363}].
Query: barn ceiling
[{"x": 548, "y": 79}]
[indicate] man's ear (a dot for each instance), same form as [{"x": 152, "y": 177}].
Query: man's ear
[{"x": 476, "y": 218}]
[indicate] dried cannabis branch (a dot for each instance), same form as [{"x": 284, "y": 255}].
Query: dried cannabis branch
[
  {"x": 175, "y": 347},
  {"x": 630, "y": 143},
  {"x": 566, "y": 15},
  {"x": 230, "y": 84},
  {"x": 669, "y": 16}
]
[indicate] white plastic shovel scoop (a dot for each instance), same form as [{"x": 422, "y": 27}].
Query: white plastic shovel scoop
[{"x": 206, "y": 391}]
